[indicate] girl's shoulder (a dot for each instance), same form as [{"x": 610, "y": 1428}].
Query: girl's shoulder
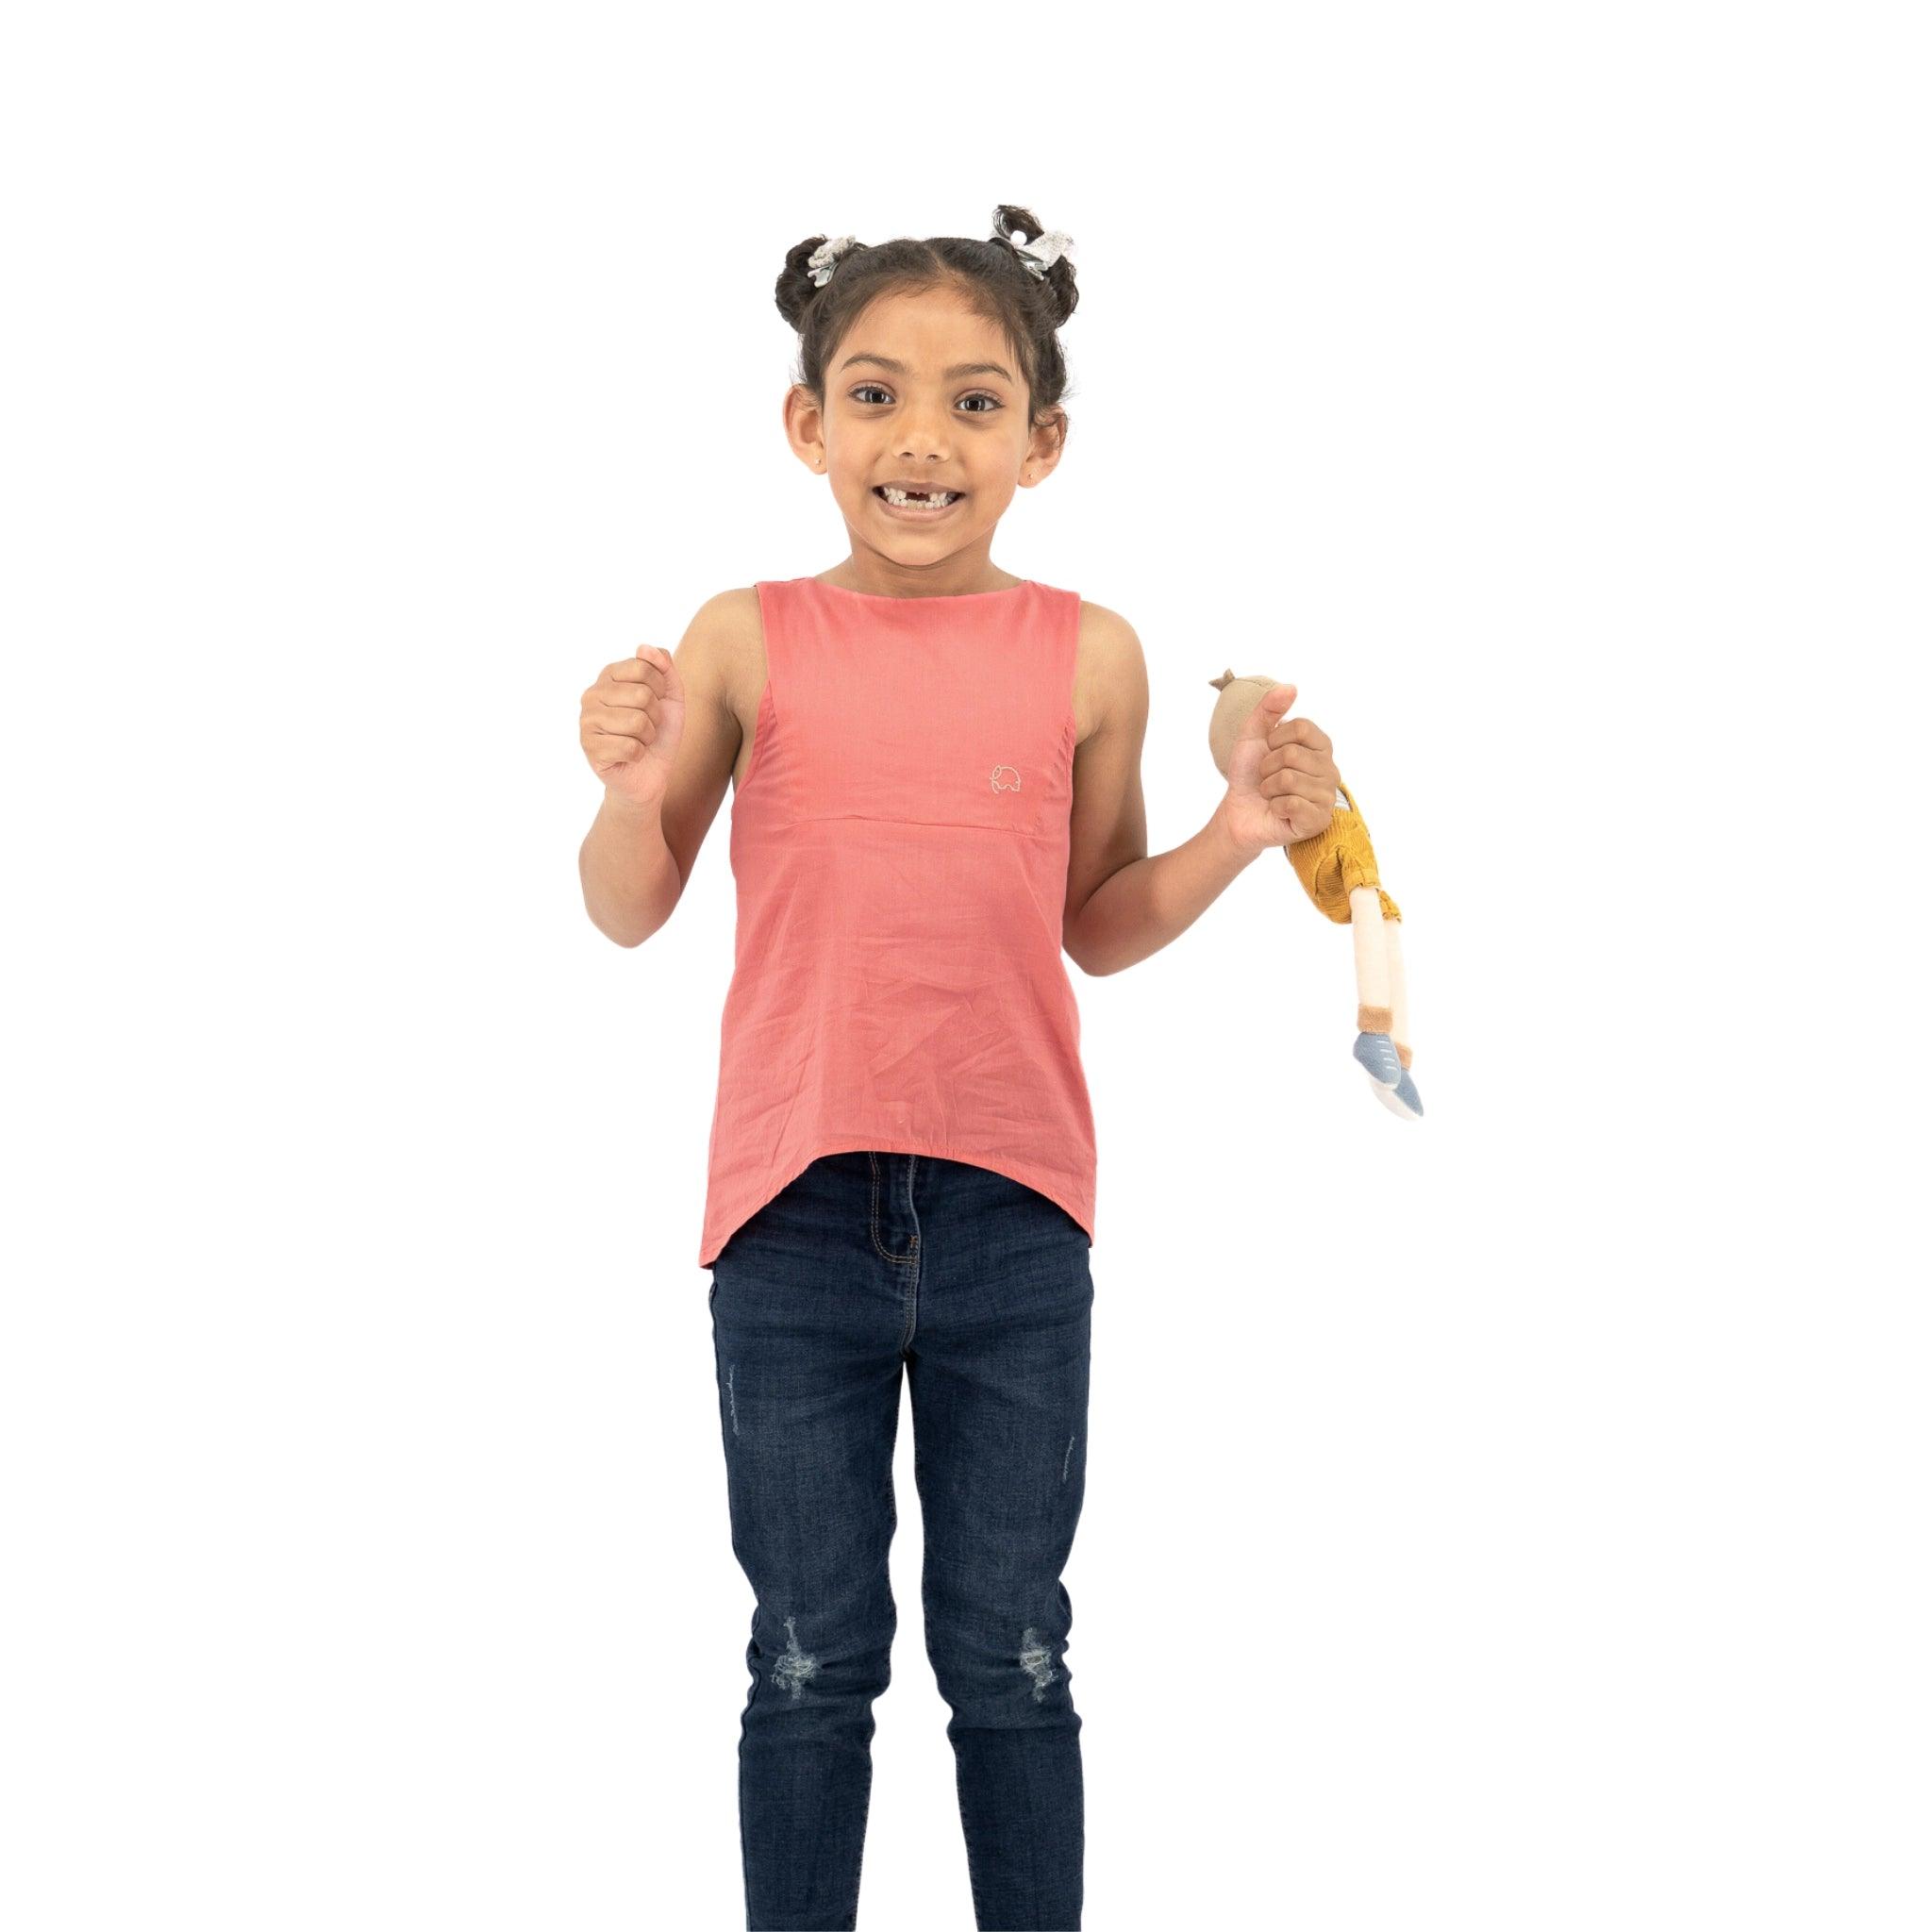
[
  {"x": 738, "y": 631},
  {"x": 1109, "y": 671}
]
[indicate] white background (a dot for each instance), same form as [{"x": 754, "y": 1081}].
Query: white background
[{"x": 1516, "y": 1520}]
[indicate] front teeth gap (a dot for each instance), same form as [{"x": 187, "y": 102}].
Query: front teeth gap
[{"x": 900, "y": 498}]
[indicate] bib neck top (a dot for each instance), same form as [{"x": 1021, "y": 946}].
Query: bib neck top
[{"x": 899, "y": 842}]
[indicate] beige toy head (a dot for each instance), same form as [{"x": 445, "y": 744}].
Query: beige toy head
[{"x": 1239, "y": 696}]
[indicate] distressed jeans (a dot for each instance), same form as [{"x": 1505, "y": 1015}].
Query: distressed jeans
[{"x": 978, "y": 1289}]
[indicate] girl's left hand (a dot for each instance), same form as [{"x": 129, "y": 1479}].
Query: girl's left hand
[{"x": 1282, "y": 781}]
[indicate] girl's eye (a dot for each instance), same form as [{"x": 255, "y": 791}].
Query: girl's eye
[{"x": 866, "y": 390}]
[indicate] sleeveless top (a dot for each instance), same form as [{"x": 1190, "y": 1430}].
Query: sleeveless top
[{"x": 899, "y": 842}]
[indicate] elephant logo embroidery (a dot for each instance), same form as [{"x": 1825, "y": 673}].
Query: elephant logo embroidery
[{"x": 1005, "y": 779}]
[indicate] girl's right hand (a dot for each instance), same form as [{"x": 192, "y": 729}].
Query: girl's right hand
[{"x": 630, "y": 723}]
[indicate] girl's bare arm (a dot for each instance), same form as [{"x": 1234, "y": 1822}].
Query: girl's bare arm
[
  {"x": 636, "y": 857},
  {"x": 1121, "y": 904}
]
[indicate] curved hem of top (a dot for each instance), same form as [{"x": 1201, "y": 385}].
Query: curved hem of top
[{"x": 1027, "y": 1175}]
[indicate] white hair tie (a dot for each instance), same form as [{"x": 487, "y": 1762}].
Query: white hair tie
[
  {"x": 1042, "y": 251},
  {"x": 825, "y": 258}
]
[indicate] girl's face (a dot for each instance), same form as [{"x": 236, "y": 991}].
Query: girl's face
[{"x": 922, "y": 391}]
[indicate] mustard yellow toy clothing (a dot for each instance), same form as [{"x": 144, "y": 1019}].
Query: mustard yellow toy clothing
[{"x": 1333, "y": 864}]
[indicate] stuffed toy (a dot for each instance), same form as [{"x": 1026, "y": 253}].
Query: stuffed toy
[{"x": 1336, "y": 869}]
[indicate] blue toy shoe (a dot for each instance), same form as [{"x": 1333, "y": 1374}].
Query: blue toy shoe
[
  {"x": 1377, "y": 1052},
  {"x": 1401, "y": 1098}
]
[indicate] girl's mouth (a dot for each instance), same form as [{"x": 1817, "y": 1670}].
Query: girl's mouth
[{"x": 912, "y": 508}]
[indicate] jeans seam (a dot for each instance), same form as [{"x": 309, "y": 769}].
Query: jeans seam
[
  {"x": 912, "y": 1280},
  {"x": 899, "y": 1260}
]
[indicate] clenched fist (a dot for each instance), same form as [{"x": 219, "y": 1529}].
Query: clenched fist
[
  {"x": 1282, "y": 781},
  {"x": 631, "y": 721}
]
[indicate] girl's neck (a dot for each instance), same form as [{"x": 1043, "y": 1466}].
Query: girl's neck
[{"x": 874, "y": 583}]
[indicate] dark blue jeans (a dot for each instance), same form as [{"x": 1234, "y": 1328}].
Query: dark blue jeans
[{"x": 978, "y": 1289}]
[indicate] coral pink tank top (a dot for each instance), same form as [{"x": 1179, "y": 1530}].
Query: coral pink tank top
[{"x": 899, "y": 842}]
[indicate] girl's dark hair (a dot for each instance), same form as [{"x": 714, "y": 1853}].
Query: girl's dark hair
[{"x": 991, "y": 276}]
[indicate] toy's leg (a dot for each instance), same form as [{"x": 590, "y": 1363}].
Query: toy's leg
[
  {"x": 1403, "y": 1098},
  {"x": 1374, "y": 1011}
]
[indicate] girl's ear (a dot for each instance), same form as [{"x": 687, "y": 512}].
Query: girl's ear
[
  {"x": 1049, "y": 440},
  {"x": 805, "y": 426}
]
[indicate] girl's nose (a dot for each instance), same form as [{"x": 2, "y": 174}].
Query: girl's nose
[{"x": 923, "y": 442}]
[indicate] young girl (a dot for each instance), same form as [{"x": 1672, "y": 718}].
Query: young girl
[{"x": 936, "y": 788}]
